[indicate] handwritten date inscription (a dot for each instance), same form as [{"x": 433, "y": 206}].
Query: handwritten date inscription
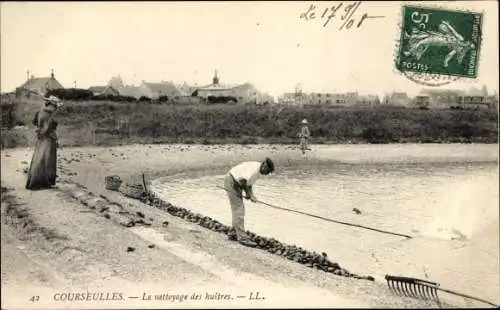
[{"x": 341, "y": 10}]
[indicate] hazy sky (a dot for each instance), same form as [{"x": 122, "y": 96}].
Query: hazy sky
[{"x": 266, "y": 44}]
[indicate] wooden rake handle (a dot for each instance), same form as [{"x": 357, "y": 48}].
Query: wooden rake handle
[{"x": 329, "y": 220}]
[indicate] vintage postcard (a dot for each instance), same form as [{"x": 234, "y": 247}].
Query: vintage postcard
[{"x": 250, "y": 154}]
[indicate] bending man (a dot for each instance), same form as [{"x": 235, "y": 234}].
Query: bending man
[{"x": 241, "y": 178}]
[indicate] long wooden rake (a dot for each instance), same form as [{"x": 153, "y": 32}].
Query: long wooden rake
[
  {"x": 327, "y": 219},
  {"x": 422, "y": 289}
]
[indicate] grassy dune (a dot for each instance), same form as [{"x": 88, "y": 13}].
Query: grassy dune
[{"x": 113, "y": 123}]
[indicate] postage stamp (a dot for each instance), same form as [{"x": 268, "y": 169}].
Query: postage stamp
[{"x": 439, "y": 45}]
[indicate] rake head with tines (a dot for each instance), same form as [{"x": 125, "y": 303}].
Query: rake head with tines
[
  {"x": 422, "y": 289},
  {"x": 411, "y": 287}
]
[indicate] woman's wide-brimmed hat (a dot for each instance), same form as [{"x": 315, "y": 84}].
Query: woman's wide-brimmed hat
[
  {"x": 304, "y": 121},
  {"x": 53, "y": 99}
]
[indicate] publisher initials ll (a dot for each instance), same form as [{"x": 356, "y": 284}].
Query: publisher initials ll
[{"x": 255, "y": 296}]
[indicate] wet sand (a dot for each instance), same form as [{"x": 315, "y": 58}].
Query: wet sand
[{"x": 56, "y": 245}]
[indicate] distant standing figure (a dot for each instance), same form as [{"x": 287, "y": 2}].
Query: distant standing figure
[
  {"x": 304, "y": 136},
  {"x": 42, "y": 172},
  {"x": 241, "y": 178}
]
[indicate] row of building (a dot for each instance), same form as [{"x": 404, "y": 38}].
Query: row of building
[
  {"x": 427, "y": 98},
  {"x": 446, "y": 98},
  {"x": 248, "y": 93},
  {"x": 245, "y": 93}
]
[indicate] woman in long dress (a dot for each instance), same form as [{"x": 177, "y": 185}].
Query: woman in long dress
[{"x": 42, "y": 172}]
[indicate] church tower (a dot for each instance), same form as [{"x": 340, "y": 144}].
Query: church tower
[{"x": 215, "y": 80}]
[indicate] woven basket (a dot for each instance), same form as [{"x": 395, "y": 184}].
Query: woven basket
[{"x": 113, "y": 182}]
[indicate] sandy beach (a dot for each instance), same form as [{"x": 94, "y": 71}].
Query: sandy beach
[{"x": 54, "y": 246}]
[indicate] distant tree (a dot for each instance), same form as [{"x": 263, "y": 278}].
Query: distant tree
[
  {"x": 163, "y": 98},
  {"x": 494, "y": 101},
  {"x": 70, "y": 93},
  {"x": 99, "y": 97}
]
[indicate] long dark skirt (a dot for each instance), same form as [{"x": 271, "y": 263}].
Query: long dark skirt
[{"x": 42, "y": 173}]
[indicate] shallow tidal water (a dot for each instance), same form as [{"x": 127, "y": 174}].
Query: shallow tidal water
[{"x": 450, "y": 208}]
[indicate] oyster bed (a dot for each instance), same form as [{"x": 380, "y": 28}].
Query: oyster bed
[{"x": 296, "y": 253}]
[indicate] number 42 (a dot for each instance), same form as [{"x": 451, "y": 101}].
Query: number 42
[
  {"x": 35, "y": 298},
  {"x": 418, "y": 18}
]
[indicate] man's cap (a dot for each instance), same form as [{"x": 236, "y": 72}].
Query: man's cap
[{"x": 269, "y": 163}]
